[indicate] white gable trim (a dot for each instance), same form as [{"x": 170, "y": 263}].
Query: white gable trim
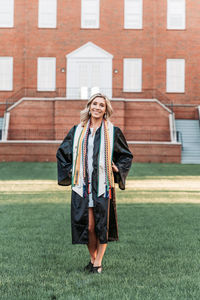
[{"x": 89, "y": 50}]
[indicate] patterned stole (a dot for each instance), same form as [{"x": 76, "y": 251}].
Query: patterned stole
[{"x": 79, "y": 169}]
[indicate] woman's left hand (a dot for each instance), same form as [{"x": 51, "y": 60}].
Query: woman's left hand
[{"x": 114, "y": 167}]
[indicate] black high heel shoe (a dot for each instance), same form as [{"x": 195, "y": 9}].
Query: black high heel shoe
[
  {"x": 88, "y": 267},
  {"x": 97, "y": 270}
]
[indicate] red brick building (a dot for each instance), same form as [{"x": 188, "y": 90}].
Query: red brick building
[{"x": 143, "y": 54}]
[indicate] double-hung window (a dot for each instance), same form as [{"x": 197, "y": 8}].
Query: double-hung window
[
  {"x": 6, "y": 13},
  {"x": 132, "y": 75},
  {"x": 133, "y": 14},
  {"x": 46, "y": 74},
  {"x": 175, "y": 77},
  {"x": 47, "y": 14},
  {"x": 90, "y": 13},
  {"x": 176, "y": 14},
  {"x": 6, "y": 73}
]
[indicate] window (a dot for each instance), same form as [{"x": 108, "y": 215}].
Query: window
[
  {"x": 176, "y": 14},
  {"x": 175, "y": 76},
  {"x": 6, "y": 13},
  {"x": 133, "y": 14},
  {"x": 132, "y": 75},
  {"x": 46, "y": 74},
  {"x": 6, "y": 73},
  {"x": 90, "y": 13},
  {"x": 47, "y": 13}
]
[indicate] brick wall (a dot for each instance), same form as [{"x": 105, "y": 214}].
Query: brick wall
[
  {"x": 32, "y": 120},
  {"x": 14, "y": 151},
  {"x": 154, "y": 43},
  {"x": 49, "y": 120},
  {"x": 146, "y": 121}
]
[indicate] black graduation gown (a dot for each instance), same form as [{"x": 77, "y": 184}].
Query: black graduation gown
[{"x": 104, "y": 209}]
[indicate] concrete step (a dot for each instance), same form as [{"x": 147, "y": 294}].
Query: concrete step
[
  {"x": 187, "y": 129},
  {"x": 196, "y": 162},
  {"x": 191, "y": 154},
  {"x": 190, "y": 139},
  {"x": 192, "y": 144},
  {"x": 189, "y": 134},
  {"x": 186, "y": 149}
]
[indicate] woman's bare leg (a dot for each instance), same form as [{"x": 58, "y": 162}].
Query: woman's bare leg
[
  {"x": 101, "y": 248},
  {"x": 96, "y": 249},
  {"x": 92, "y": 244}
]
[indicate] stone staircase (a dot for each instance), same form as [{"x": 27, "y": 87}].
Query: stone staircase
[{"x": 190, "y": 131}]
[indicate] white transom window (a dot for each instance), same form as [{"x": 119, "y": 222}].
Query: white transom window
[
  {"x": 6, "y": 13},
  {"x": 46, "y": 74},
  {"x": 175, "y": 76},
  {"x": 176, "y": 14},
  {"x": 90, "y": 13},
  {"x": 47, "y": 13},
  {"x": 132, "y": 75},
  {"x": 6, "y": 73},
  {"x": 133, "y": 14}
]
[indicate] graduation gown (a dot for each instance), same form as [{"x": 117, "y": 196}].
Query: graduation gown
[{"x": 105, "y": 213}]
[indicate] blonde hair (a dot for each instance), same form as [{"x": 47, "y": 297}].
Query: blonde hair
[{"x": 85, "y": 113}]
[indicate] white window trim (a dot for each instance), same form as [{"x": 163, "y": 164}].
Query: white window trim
[
  {"x": 5, "y": 25},
  {"x": 168, "y": 18},
  {"x": 39, "y": 16},
  {"x": 167, "y": 88},
  {"x": 82, "y": 17},
  {"x": 38, "y": 83},
  {"x": 131, "y": 90},
  {"x": 141, "y": 24},
  {"x": 11, "y": 84}
]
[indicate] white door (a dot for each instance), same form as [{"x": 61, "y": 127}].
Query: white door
[{"x": 88, "y": 76}]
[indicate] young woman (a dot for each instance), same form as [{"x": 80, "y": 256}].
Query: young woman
[{"x": 93, "y": 156}]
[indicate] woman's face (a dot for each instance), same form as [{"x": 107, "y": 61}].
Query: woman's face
[{"x": 98, "y": 108}]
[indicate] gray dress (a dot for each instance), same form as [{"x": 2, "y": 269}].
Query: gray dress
[{"x": 90, "y": 162}]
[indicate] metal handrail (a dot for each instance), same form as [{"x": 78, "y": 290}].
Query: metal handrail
[
  {"x": 180, "y": 138},
  {"x": 62, "y": 92}
]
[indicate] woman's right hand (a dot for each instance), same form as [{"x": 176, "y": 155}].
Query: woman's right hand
[{"x": 115, "y": 168}]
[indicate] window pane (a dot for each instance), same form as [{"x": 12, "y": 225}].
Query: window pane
[
  {"x": 133, "y": 14},
  {"x": 175, "y": 76},
  {"x": 47, "y": 13},
  {"x": 6, "y": 13},
  {"x": 6, "y": 73},
  {"x": 176, "y": 14},
  {"x": 46, "y": 74},
  {"x": 133, "y": 74},
  {"x": 90, "y": 14}
]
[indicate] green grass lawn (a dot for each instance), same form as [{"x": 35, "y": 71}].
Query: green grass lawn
[
  {"x": 156, "y": 257},
  {"x": 46, "y": 170}
]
